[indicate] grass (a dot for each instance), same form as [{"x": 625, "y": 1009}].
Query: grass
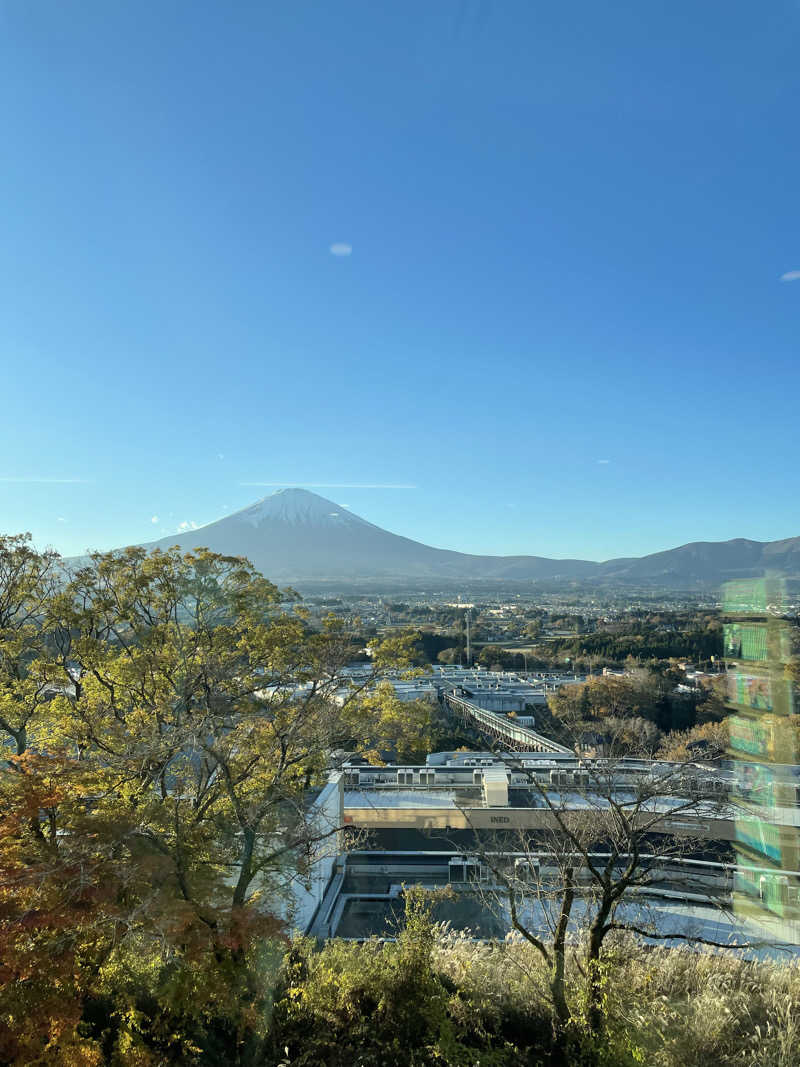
[{"x": 464, "y": 1003}]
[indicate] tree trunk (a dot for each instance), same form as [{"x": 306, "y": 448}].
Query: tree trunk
[
  {"x": 557, "y": 981},
  {"x": 596, "y": 935}
]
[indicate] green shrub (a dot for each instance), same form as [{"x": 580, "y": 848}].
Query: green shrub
[{"x": 387, "y": 1005}]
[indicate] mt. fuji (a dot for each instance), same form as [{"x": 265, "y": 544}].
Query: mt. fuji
[{"x": 296, "y": 535}]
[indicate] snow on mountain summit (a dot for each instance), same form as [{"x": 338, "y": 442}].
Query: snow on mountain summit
[{"x": 297, "y": 507}]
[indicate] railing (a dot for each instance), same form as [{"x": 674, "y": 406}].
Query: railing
[{"x": 516, "y": 737}]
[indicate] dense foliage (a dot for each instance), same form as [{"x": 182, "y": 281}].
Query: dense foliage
[
  {"x": 435, "y": 998},
  {"x": 164, "y": 718},
  {"x": 698, "y": 640},
  {"x": 636, "y": 708}
]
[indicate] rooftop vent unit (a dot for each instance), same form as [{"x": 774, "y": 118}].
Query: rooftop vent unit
[
  {"x": 466, "y": 869},
  {"x": 495, "y": 787}
]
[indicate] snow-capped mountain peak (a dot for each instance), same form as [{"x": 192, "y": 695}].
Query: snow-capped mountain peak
[
  {"x": 297, "y": 507},
  {"x": 295, "y": 534}
]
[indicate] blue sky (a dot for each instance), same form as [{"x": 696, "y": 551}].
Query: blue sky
[{"x": 562, "y": 317}]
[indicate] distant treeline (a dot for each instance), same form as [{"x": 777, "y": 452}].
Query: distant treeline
[
  {"x": 648, "y": 643},
  {"x": 696, "y": 645}
]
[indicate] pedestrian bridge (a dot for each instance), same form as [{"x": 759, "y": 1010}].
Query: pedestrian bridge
[{"x": 512, "y": 735}]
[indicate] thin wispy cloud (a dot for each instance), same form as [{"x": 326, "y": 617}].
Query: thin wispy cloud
[
  {"x": 791, "y": 276},
  {"x": 42, "y": 481},
  {"x": 327, "y": 485},
  {"x": 604, "y": 461},
  {"x": 340, "y": 248}
]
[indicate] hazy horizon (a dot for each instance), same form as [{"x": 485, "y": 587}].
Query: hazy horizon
[{"x": 187, "y": 528}]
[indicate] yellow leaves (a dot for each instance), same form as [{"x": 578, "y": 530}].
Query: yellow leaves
[
  {"x": 394, "y": 651},
  {"x": 171, "y": 763},
  {"x": 129, "y": 1049},
  {"x": 81, "y": 1053},
  {"x": 716, "y": 736},
  {"x": 382, "y": 721}
]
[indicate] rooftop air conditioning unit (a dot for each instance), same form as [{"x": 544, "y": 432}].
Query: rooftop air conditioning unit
[{"x": 465, "y": 869}]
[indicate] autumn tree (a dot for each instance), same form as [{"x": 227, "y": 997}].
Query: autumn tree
[
  {"x": 402, "y": 729},
  {"x": 76, "y": 898},
  {"x": 634, "y": 735},
  {"x": 27, "y": 580},
  {"x": 709, "y": 740},
  {"x": 449, "y": 655},
  {"x": 641, "y": 692},
  {"x": 191, "y": 707}
]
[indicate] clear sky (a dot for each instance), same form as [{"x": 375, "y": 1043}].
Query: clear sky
[{"x": 539, "y": 261}]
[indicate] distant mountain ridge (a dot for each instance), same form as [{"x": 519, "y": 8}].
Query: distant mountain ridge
[{"x": 296, "y": 535}]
